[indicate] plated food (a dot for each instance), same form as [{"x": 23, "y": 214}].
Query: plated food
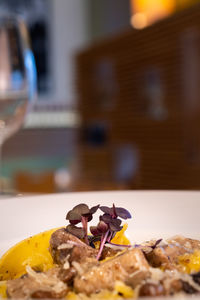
[{"x": 103, "y": 264}]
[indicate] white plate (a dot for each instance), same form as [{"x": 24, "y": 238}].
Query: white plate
[{"x": 154, "y": 214}]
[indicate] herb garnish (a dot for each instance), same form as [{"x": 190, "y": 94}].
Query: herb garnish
[
  {"x": 156, "y": 244},
  {"x": 109, "y": 223},
  {"x": 80, "y": 214}
]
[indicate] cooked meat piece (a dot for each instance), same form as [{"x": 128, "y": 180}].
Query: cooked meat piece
[
  {"x": 108, "y": 252},
  {"x": 196, "y": 277},
  {"x": 167, "y": 283},
  {"x": 166, "y": 255},
  {"x": 159, "y": 257},
  {"x": 40, "y": 294},
  {"x": 165, "y": 287},
  {"x": 65, "y": 246},
  {"x": 185, "y": 243},
  {"x": 187, "y": 288},
  {"x": 81, "y": 254},
  {"x": 67, "y": 275},
  {"x": 151, "y": 290},
  {"x": 37, "y": 285},
  {"x": 105, "y": 275},
  {"x": 174, "y": 287},
  {"x": 137, "y": 277}
]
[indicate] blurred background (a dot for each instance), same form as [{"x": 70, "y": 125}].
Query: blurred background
[{"x": 118, "y": 102}]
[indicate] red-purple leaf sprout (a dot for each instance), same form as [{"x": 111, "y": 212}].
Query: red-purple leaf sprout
[
  {"x": 156, "y": 244},
  {"x": 109, "y": 224},
  {"x": 80, "y": 214}
]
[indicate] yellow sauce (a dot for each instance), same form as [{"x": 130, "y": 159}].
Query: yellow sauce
[
  {"x": 121, "y": 291},
  {"x": 3, "y": 294},
  {"x": 190, "y": 262},
  {"x": 33, "y": 251}
]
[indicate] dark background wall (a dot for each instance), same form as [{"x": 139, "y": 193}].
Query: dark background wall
[{"x": 107, "y": 17}]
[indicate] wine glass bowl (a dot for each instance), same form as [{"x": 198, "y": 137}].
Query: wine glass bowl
[
  {"x": 14, "y": 75},
  {"x": 17, "y": 77}
]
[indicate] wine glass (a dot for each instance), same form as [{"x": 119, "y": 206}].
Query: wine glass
[{"x": 17, "y": 76}]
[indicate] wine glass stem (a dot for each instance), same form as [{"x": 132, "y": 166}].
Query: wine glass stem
[{"x": 1, "y": 171}]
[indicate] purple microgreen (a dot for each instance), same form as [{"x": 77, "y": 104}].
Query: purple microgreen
[
  {"x": 84, "y": 224},
  {"x": 101, "y": 228},
  {"x": 91, "y": 212},
  {"x": 110, "y": 218},
  {"x": 156, "y": 244},
  {"x": 117, "y": 222},
  {"x": 77, "y": 231},
  {"x": 103, "y": 241},
  {"x": 106, "y": 210},
  {"x": 120, "y": 245},
  {"x": 110, "y": 237},
  {"x": 94, "y": 230},
  {"x": 73, "y": 217},
  {"x": 115, "y": 212},
  {"x": 106, "y": 218},
  {"x": 81, "y": 213},
  {"x": 94, "y": 209},
  {"x": 88, "y": 217},
  {"x": 108, "y": 225},
  {"x": 81, "y": 209},
  {"x": 109, "y": 211},
  {"x": 114, "y": 225},
  {"x": 123, "y": 213}
]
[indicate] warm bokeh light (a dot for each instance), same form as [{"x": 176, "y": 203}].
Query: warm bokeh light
[
  {"x": 145, "y": 12},
  {"x": 139, "y": 20}
]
